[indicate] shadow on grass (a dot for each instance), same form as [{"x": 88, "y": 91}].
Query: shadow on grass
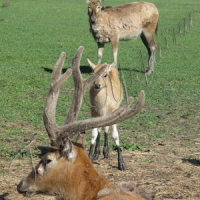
[
  {"x": 2, "y": 196},
  {"x": 192, "y": 161},
  {"x": 84, "y": 70},
  {"x": 87, "y": 70}
]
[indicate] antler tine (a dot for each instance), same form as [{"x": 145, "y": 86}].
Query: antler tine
[
  {"x": 80, "y": 85},
  {"x": 119, "y": 115},
  {"x": 122, "y": 113},
  {"x": 126, "y": 114},
  {"x": 50, "y": 107},
  {"x": 58, "y": 67}
]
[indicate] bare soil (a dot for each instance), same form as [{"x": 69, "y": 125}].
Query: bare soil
[
  {"x": 166, "y": 170},
  {"x": 168, "y": 167}
]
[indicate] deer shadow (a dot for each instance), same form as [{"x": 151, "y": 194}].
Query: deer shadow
[
  {"x": 87, "y": 70},
  {"x": 193, "y": 161},
  {"x": 2, "y": 196},
  {"x": 131, "y": 70},
  {"x": 84, "y": 69}
]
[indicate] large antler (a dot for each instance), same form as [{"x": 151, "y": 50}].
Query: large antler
[{"x": 57, "y": 133}]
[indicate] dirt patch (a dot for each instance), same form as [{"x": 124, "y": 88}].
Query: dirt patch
[
  {"x": 170, "y": 170},
  {"x": 168, "y": 165}
]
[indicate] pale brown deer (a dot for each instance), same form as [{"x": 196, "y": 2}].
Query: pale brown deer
[
  {"x": 124, "y": 22},
  {"x": 125, "y": 191},
  {"x": 66, "y": 171},
  {"x": 106, "y": 94}
]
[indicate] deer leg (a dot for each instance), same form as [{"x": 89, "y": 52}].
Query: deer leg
[
  {"x": 115, "y": 135},
  {"x": 97, "y": 148},
  {"x": 150, "y": 44},
  {"x": 93, "y": 139},
  {"x": 106, "y": 147},
  {"x": 91, "y": 151},
  {"x": 100, "y": 51},
  {"x": 114, "y": 42},
  {"x": 121, "y": 164}
]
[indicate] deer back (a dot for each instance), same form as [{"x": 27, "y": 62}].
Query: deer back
[{"x": 125, "y": 22}]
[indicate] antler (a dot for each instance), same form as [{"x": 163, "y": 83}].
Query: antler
[
  {"x": 80, "y": 86},
  {"x": 57, "y": 133}
]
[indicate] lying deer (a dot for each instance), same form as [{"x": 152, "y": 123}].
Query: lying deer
[
  {"x": 124, "y": 22},
  {"x": 66, "y": 171},
  {"x": 106, "y": 94}
]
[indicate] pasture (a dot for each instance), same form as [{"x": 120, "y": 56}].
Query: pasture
[{"x": 161, "y": 144}]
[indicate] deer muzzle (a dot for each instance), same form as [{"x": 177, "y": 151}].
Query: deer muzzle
[
  {"x": 97, "y": 86},
  {"x": 24, "y": 189}
]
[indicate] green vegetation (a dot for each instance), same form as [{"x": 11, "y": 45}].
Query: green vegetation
[{"x": 34, "y": 33}]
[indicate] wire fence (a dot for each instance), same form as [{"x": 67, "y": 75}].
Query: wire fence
[{"x": 166, "y": 40}]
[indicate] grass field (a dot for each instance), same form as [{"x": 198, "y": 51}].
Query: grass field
[{"x": 32, "y": 36}]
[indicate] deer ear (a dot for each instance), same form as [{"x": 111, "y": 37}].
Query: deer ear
[
  {"x": 92, "y": 65},
  {"x": 87, "y": 1},
  {"x": 68, "y": 150},
  {"x": 113, "y": 65},
  {"x": 81, "y": 138}
]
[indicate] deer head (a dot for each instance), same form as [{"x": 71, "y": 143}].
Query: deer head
[
  {"x": 104, "y": 79},
  {"x": 94, "y": 10},
  {"x": 66, "y": 170}
]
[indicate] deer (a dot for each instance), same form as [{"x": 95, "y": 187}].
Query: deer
[
  {"x": 106, "y": 94},
  {"x": 122, "y": 23},
  {"x": 66, "y": 171},
  {"x": 125, "y": 190}
]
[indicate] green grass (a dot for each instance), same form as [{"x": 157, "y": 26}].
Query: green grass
[{"x": 34, "y": 33}]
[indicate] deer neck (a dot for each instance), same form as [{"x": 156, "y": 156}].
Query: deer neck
[{"x": 85, "y": 182}]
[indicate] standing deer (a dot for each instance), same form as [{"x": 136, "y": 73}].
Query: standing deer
[
  {"x": 66, "y": 171},
  {"x": 124, "y": 22},
  {"x": 106, "y": 94}
]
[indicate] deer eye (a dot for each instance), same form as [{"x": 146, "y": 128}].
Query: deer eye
[
  {"x": 48, "y": 161},
  {"x": 105, "y": 75}
]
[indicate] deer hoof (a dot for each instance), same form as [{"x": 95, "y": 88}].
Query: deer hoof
[
  {"x": 121, "y": 166},
  {"x": 106, "y": 152},
  {"x": 95, "y": 156},
  {"x": 148, "y": 72}
]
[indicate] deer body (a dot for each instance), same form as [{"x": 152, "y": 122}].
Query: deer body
[
  {"x": 106, "y": 94},
  {"x": 124, "y": 22},
  {"x": 73, "y": 177},
  {"x": 66, "y": 171},
  {"x": 69, "y": 179}
]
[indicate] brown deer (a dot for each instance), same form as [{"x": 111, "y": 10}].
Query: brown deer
[
  {"x": 66, "y": 171},
  {"x": 124, "y": 22},
  {"x": 106, "y": 94}
]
